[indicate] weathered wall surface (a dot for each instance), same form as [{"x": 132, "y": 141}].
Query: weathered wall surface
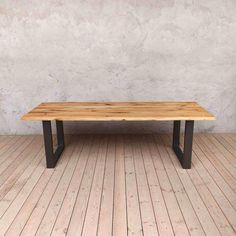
[{"x": 99, "y": 50}]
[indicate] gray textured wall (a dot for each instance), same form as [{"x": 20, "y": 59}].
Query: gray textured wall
[{"x": 72, "y": 50}]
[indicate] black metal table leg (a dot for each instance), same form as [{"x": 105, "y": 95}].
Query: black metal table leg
[
  {"x": 184, "y": 156},
  {"x": 51, "y": 156}
]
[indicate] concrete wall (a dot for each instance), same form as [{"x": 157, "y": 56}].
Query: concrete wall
[{"x": 117, "y": 50}]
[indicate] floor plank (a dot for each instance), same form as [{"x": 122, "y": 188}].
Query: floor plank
[
  {"x": 12, "y": 178},
  {"x": 216, "y": 161},
  {"x": 145, "y": 201},
  {"x": 77, "y": 218},
  {"x": 7, "y": 144},
  {"x": 227, "y": 144},
  {"x": 159, "y": 205},
  {"x": 220, "y": 195},
  {"x": 9, "y": 147},
  {"x": 23, "y": 158},
  {"x": 107, "y": 203},
  {"x": 120, "y": 206},
  {"x": 92, "y": 214},
  {"x": 133, "y": 208}
]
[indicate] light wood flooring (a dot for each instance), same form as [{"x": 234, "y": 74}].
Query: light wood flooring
[{"x": 118, "y": 185}]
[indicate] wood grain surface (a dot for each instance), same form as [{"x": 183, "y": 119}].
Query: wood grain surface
[{"x": 118, "y": 111}]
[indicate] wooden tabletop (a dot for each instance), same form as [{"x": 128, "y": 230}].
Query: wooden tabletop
[{"x": 118, "y": 111}]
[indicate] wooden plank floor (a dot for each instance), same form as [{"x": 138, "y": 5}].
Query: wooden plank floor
[{"x": 118, "y": 185}]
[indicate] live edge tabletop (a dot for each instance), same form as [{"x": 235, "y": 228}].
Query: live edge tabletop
[{"x": 119, "y": 111}]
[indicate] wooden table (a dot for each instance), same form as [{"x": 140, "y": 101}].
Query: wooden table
[{"x": 119, "y": 111}]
